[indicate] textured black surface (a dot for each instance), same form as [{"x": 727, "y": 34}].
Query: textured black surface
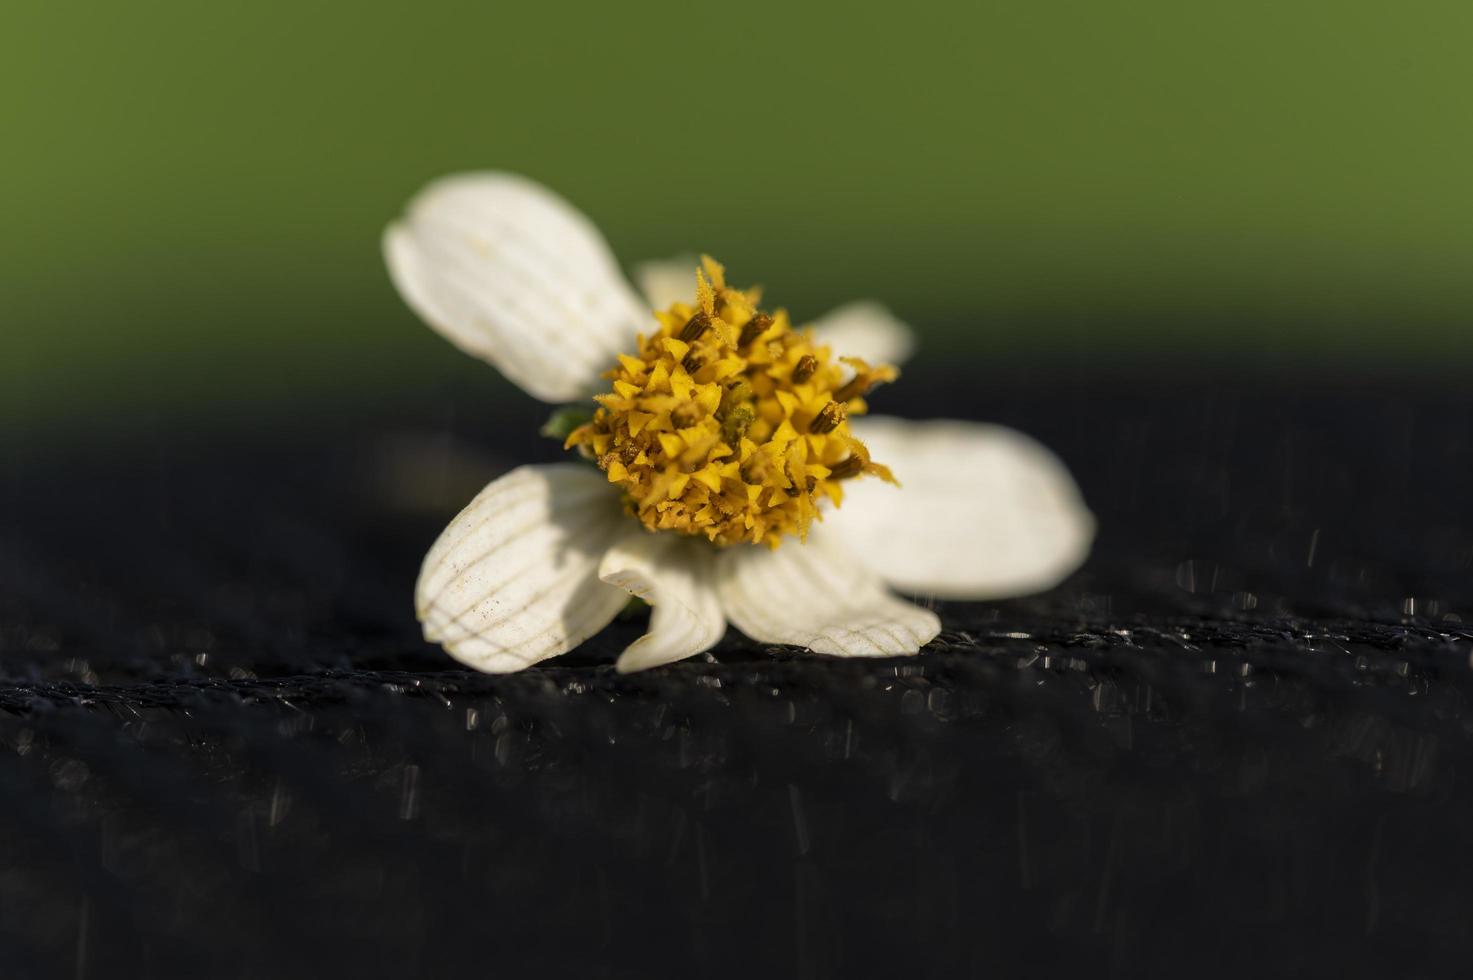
[{"x": 1239, "y": 742}]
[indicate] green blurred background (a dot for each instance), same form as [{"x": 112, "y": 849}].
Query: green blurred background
[{"x": 193, "y": 193}]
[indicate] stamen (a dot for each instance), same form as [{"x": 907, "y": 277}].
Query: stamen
[
  {"x": 856, "y": 387},
  {"x": 865, "y": 380},
  {"x": 721, "y": 441},
  {"x": 695, "y": 326},
  {"x": 685, "y": 416},
  {"x": 828, "y": 419},
  {"x": 849, "y": 466},
  {"x": 755, "y": 327},
  {"x": 803, "y": 370}
]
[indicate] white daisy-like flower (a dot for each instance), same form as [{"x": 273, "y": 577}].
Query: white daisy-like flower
[{"x": 736, "y": 479}]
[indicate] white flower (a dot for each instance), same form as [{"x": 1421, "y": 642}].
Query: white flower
[{"x": 546, "y": 556}]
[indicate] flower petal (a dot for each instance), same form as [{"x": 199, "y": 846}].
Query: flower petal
[
  {"x": 514, "y": 578},
  {"x": 512, "y": 273},
  {"x": 982, "y": 511},
  {"x": 865, "y": 329},
  {"x": 673, "y": 575},
  {"x": 817, "y": 595},
  {"x": 667, "y": 281}
]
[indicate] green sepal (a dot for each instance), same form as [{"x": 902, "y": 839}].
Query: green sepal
[{"x": 561, "y": 423}]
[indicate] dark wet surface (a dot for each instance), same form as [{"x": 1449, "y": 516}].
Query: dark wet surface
[{"x": 1239, "y": 742}]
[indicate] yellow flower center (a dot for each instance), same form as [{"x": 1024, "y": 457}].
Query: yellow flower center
[{"x": 729, "y": 423}]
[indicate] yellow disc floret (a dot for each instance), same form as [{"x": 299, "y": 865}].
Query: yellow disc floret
[{"x": 728, "y": 422}]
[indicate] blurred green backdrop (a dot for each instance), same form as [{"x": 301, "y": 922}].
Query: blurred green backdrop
[{"x": 193, "y": 193}]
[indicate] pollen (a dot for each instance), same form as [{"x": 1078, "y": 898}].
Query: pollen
[{"x": 728, "y": 422}]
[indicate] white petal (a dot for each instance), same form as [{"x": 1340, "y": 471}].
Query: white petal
[
  {"x": 514, "y": 578},
  {"x": 982, "y": 511},
  {"x": 667, "y": 281},
  {"x": 865, "y": 329},
  {"x": 817, "y": 595},
  {"x": 672, "y": 574},
  {"x": 512, "y": 273}
]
